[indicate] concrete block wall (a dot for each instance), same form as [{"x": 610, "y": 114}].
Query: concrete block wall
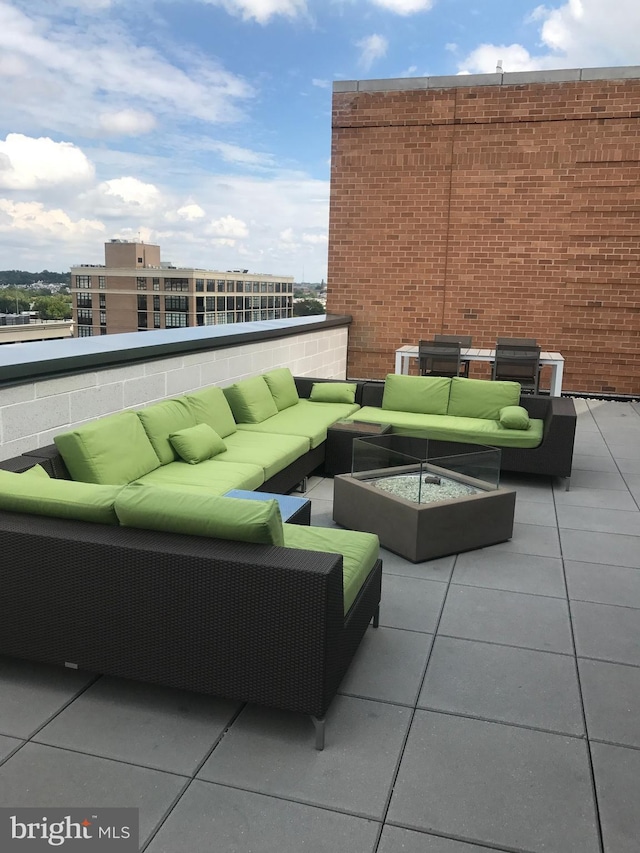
[
  {"x": 33, "y": 413},
  {"x": 509, "y": 208}
]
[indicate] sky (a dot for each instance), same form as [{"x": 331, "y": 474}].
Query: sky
[{"x": 205, "y": 125}]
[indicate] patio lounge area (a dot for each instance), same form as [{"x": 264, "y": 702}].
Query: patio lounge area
[{"x": 497, "y": 706}]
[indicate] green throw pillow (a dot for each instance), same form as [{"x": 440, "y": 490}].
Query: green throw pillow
[
  {"x": 198, "y": 513},
  {"x": 282, "y": 386},
  {"x": 58, "y": 498},
  {"x": 197, "y": 443},
  {"x": 514, "y": 417},
  {"x": 424, "y": 395},
  {"x": 333, "y": 392},
  {"x": 481, "y": 398},
  {"x": 251, "y": 401}
]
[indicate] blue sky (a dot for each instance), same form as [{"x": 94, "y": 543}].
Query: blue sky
[{"x": 205, "y": 125}]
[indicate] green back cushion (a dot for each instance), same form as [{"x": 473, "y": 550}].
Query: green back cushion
[
  {"x": 210, "y": 406},
  {"x": 111, "y": 451},
  {"x": 251, "y": 401},
  {"x": 36, "y": 471},
  {"x": 195, "y": 512},
  {"x": 333, "y": 392},
  {"x": 514, "y": 417},
  {"x": 197, "y": 443},
  {"x": 427, "y": 395},
  {"x": 282, "y": 386},
  {"x": 162, "y": 419},
  {"x": 481, "y": 398},
  {"x": 58, "y": 498}
]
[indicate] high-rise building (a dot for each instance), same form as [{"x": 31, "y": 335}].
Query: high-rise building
[{"x": 134, "y": 291}]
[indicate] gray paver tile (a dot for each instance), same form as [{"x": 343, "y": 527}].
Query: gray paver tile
[
  {"x": 603, "y": 584},
  {"x": 496, "y": 784},
  {"x": 272, "y": 752},
  {"x": 514, "y": 572},
  {"x": 214, "y": 818},
  {"x": 397, "y": 840},
  {"x": 511, "y": 618},
  {"x": 606, "y": 632},
  {"x": 31, "y": 693},
  {"x": 531, "y": 539},
  {"x": 628, "y": 466},
  {"x": 588, "y": 444},
  {"x": 611, "y": 694},
  {"x": 411, "y": 603},
  {"x": 624, "y": 449},
  {"x": 42, "y": 776},
  {"x": 155, "y": 726},
  {"x": 535, "y": 512},
  {"x": 437, "y": 570},
  {"x": 593, "y": 462},
  {"x": 531, "y": 488},
  {"x": 388, "y": 665},
  {"x": 7, "y": 745},
  {"x": 606, "y": 498},
  {"x": 616, "y": 772},
  {"x": 320, "y": 488},
  {"x": 500, "y": 683},
  {"x": 599, "y": 519},
  {"x": 322, "y": 513},
  {"x": 614, "y": 549},
  {"x": 597, "y": 480}
]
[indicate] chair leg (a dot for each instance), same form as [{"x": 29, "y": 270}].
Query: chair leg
[
  {"x": 376, "y": 617},
  {"x": 319, "y": 726}
]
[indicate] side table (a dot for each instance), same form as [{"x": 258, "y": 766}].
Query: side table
[{"x": 340, "y": 438}]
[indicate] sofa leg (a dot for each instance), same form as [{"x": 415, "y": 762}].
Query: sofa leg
[
  {"x": 302, "y": 486},
  {"x": 567, "y": 483},
  {"x": 319, "y": 725},
  {"x": 376, "y": 617}
]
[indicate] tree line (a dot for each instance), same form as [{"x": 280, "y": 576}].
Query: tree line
[{"x": 22, "y": 277}]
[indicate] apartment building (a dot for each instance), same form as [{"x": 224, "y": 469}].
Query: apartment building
[{"x": 135, "y": 291}]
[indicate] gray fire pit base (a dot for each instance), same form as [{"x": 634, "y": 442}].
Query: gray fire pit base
[{"x": 421, "y": 532}]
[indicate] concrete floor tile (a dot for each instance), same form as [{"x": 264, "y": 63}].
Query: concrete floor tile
[
  {"x": 509, "y": 685},
  {"x": 153, "y": 726},
  {"x": 388, "y": 666},
  {"x": 597, "y": 480},
  {"x": 599, "y": 519},
  {"x": 610, "y": 549},
  {"x": 495, "y": 784},
  {"x": 605, "y": 498},
  {"x": 611, "y": 701},
  {"x": 211, "y": 818},
  {"x": 412, "y": 604},
  {"x": 41, "y": 776},
  {"x": 606, "y": 632},
  {"x": 593, "y": 462},
  {"x": 531, "y": 539},
  {"x": 437, "y": 570},
  {"x": 616, "y": 772},
  {"x": 272, "y": 752},
  {"x": 31, "y": 693},
  {"x": 603, "y": 584},
  {"x": 509, "y": 618},
  {"x": 7, "y": 745},
  {"x": 535, "y": 512},
  {"x": 513, "y": 572},
  {"x": 397, "y": 840}
]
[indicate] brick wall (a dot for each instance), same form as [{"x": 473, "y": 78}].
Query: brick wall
[{"x": 491, "y": 210}]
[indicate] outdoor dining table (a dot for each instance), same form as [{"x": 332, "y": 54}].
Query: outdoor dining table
[{"x": 554, "y": 360}]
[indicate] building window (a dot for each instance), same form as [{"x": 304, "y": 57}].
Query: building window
[
  {"x": 156, "y": 320},
  {"x": 209, "y": 319},
  {"x": 142, "y": 303},
  {"x": 142, "y": 319},
  {"x": 103, "y": 301},
  {"x": 139, "y": 260},
  {"x": 239, "y": 286},
  {"x": 211, "y": 285},
  {"x": 179, "y": 284},
  {"x": 142, "y": 283},
  {"x": 256, "y": 287},
  {"x": 83, "y": 300},
  {"x": 83, "y": 281},
  {"x": 102, "y": 282},
  {"x": 270, "y": 287},
  {"x": 103, "y": 330},
  {"x": 103, "y": 318},
  {"x": 174, "y": 321},
  {"x": 85, "y": 316},
  {"x": 156, "y": 283},
  {"x": 85, "y": 332},
  {"x": 176, "y": 303},
  {"x": 156, "y": 303},
  {"x": 200, "y": 285}
]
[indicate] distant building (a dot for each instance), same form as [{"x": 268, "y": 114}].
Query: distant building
[
  {"x": 134, "y": 291},
  {"x": 21, "y": 328}
]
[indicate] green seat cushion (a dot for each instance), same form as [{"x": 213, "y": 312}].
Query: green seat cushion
[
  {"x": 251, "y": 401},
  {"x": 58, "y": 498},
  {"x": 114, "y": 450},
  {"x": 427, "y": 395},
  {"x": 282, "y": 386},
  {"x": 306, "y": 418},
  {"x": 210, "y": 406},
  {"x": 196, "y": 514},
  {"x": 333, "y": 392},
  {"x": 214, "y": 476},
  {"x": 36, "y": 471},
  {"x": 271, "y": 451},
  {"x": 481, "y": 398},
  {"x": 514, "y": 417},
  {"x": 359, "y": 552},
  {"x": 162, "y": 419},
  {"x": 197, "y": 443}
]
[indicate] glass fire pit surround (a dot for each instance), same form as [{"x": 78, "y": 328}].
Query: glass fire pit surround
[{"x": 424, "y": 506}]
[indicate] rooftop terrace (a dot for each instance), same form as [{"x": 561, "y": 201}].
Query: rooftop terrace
[{"x": 496, "y": 708}]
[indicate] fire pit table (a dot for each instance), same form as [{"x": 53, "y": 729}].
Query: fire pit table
[{"x": 424, "y": 506}]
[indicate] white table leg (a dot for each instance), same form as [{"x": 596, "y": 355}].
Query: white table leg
[{"x": 557, "y": 370}]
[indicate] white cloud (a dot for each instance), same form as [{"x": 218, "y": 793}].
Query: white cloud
[
  {"x": 239, "y": 155},
  {"x": 404, "y": 7},
  {"x": 574, "y": 34},
  {"x": 27, "y": 163},
  {"x": 371, "y": 48},
  {"x": 321, "y": 84},
  {"x": 33, "y": 217},
  {"x": 315, "y": 239},
  {"x": 132, "y": 193},
  {"x": 191, "y": 212},
  {"x": 126, "y": 122},
  {"x": 229, "y": 227},
  {"x": 262, "y": 10}
]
